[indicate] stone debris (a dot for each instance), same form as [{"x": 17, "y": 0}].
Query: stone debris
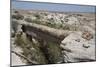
[
  {"x": 80, "y": 48},
  {"x": 87, "y": 35}
]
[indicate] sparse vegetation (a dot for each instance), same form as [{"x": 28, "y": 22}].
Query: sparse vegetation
[
  {"x": 37, "y": 21},
  {"x": 37, "y": 16},
  {"x": 40, "y": 43},
  {"x": 54, "y": 52},
  {"x": 16, "y": 12},
  {"x": 18, "y": 16},
  {"x": 28, "y": 19},
  {"x": 30, "y": 50}
]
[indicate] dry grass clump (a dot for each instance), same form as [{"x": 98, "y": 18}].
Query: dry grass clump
[{"x": 30, "y": 50}]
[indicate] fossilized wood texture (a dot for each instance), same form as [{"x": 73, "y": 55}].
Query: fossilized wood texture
[{"x": 44, "y": 32}]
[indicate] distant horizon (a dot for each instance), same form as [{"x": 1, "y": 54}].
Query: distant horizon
[
  {"x": 56, "y": 7},
  {"x": 50, "y": 11}
]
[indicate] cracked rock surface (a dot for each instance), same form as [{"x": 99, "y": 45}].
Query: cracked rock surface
[{"x": 78, "y": 49}]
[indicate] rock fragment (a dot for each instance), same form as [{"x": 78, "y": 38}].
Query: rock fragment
[{"x": 80, "y": 48}]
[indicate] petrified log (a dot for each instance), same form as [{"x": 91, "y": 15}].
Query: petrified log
[{"x": 44, "y": 32}]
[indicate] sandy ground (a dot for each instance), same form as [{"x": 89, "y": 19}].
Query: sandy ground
[{"x": 16, "y": 60}]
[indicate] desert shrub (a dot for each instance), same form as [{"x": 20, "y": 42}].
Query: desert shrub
[
  {"x": 12, "y": 33},
  {"x": 59, "y": 26},
  {"x": 66, "y": 27},
  {"x": 62, "y": 21},
  {"x": 70, "y": 27},
  {"x": 54, "y": 52},
  {"x": 79, "y": 15},
  {"x": 50, "y": 24},
  {"x": 16, "y": 12},
  {"x": 66, "y": 19},
  {"x": 30, "y": 50},
  {"x": 18, "y": 17},
  {"x": 45, "y": 14},
  {"x": 28, "y": 19},
  {"x": 54, "y": 25},
  {"x": 50, "y": 20},
  {"x": 37, "y": 16},
  {"x": 37, "y": 21},
  {"x": 14, "y": 25}
]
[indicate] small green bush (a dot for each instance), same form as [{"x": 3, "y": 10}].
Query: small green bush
[
  {"x": 37, "y": 16},
  {"x": 28, "y": 19},
  {"x": 34, "y": 54},
  {"x": 18, "y": 17},
  {"x": 54, "y": 52},
  {"x": 37, "y": 21}
]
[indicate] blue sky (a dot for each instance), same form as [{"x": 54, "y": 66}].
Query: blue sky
[{"x": 52, "y": 7}]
